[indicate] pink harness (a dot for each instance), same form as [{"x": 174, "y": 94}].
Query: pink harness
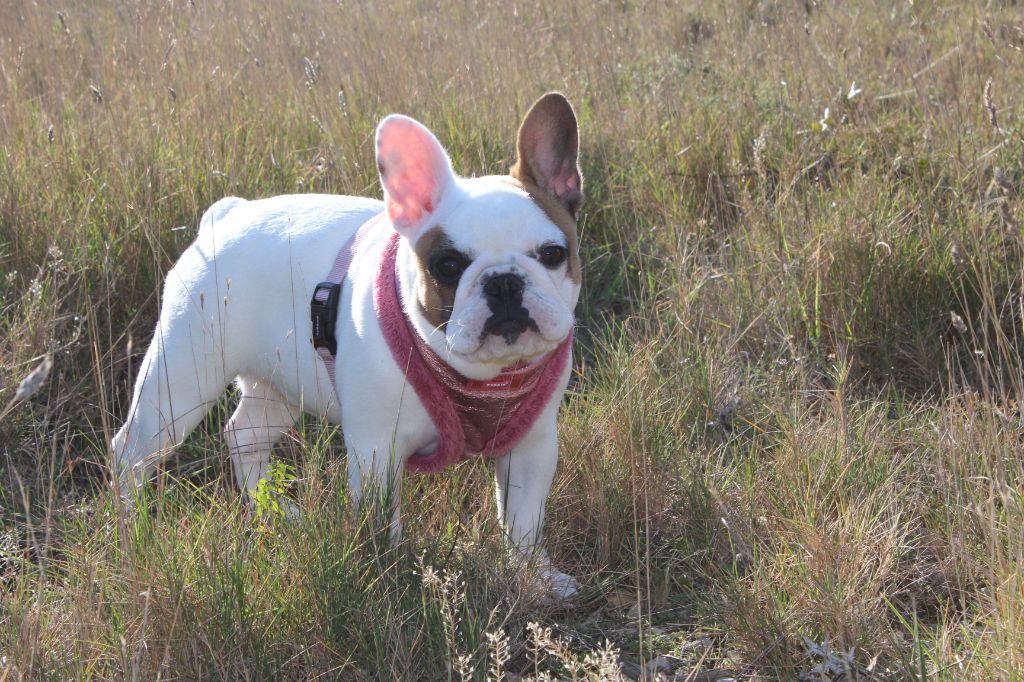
[{"x": 471, "y": 417}]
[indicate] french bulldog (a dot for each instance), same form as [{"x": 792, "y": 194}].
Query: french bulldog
[{"x": 446, "y": 333}]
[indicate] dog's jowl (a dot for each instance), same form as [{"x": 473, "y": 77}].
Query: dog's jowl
[{"x": 433, "y": 325}]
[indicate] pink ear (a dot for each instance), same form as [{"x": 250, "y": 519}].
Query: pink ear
[{"x": 415, "y": 172}]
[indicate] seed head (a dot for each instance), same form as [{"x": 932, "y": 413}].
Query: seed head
[
  {"x": 986, "y": 98},
  {"x": 958, "y": 322},
  {"x": 31, "y": 384}
]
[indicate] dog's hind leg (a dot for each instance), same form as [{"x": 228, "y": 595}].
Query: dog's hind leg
[
  {"x": 260, "y": 420},
  {"x": 185, "y": 369},
  {"x": 179, "y": 381}
]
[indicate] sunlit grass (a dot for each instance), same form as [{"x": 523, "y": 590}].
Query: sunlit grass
[{"x": 795, "y": 415}]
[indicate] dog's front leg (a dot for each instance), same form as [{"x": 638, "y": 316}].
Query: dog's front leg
[
  {"x": 523, "y": 480},
  {"x": 375, "y": 475}
]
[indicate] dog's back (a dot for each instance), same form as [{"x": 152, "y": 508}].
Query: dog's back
[{"x": 250, "y": 258}]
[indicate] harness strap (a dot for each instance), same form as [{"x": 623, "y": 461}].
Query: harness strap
[{"x": 323, "y": 307}]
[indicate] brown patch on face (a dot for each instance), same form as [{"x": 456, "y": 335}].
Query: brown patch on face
[
  {"x": 557, "y": 213},
  {"x": 434, "y": 298}
]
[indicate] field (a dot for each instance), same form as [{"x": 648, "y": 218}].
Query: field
[{"x": 792, "y": 444}]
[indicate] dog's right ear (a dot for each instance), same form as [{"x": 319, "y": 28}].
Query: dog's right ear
[{"x": 415, "y": 172}]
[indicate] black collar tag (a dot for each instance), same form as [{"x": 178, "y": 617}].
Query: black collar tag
[{"x": 323, "y": 312}]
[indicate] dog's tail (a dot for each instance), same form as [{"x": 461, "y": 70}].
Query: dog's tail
[{"x": 218, "y": 212}]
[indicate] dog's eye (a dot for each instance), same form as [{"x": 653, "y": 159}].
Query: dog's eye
[
  {"x": 552, "y": 255},
  {"x": 447, "y": 268}
]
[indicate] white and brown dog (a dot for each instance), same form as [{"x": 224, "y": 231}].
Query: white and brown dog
[{"x": 447, "y": 308}]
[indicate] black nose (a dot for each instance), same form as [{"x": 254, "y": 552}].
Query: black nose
[
  {"x": 509, "y": 319},
  {"x": 504, "y": 288}
]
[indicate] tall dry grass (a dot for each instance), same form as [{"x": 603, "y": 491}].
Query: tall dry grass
[{"x": 792, "y": 446}]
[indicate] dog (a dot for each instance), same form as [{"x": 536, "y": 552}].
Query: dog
[{"x": 433, "y": 325}]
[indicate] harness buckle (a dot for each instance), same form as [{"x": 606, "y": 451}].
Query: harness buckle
[{"x": 324, "y": 315}]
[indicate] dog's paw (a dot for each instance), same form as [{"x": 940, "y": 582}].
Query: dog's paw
[
  {"x": 543, "y": 580},
  {"x": 558, "y": 585},
  {"x": 128, "y": 482},
  {"x": 128, "y": 493}
]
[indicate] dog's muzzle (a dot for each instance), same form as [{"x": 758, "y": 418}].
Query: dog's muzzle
[{"x": 509, "y": 319}]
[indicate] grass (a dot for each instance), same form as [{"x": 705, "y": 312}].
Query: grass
[{"x": 792, "y": 445}]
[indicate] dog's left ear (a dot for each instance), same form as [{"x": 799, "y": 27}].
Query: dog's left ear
[
  {"x": 415, "y": 172},
  {"x": 547, "y": 150}
]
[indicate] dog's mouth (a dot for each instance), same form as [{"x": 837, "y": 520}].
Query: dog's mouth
[
  {"x": 509, "y": 342},
  {"x": 509, "y": 325}
]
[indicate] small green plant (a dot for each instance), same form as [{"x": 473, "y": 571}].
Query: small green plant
[{"x": 270, "y": 497}]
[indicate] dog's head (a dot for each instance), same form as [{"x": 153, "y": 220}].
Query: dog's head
[{"x": 491, "y": 262}]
